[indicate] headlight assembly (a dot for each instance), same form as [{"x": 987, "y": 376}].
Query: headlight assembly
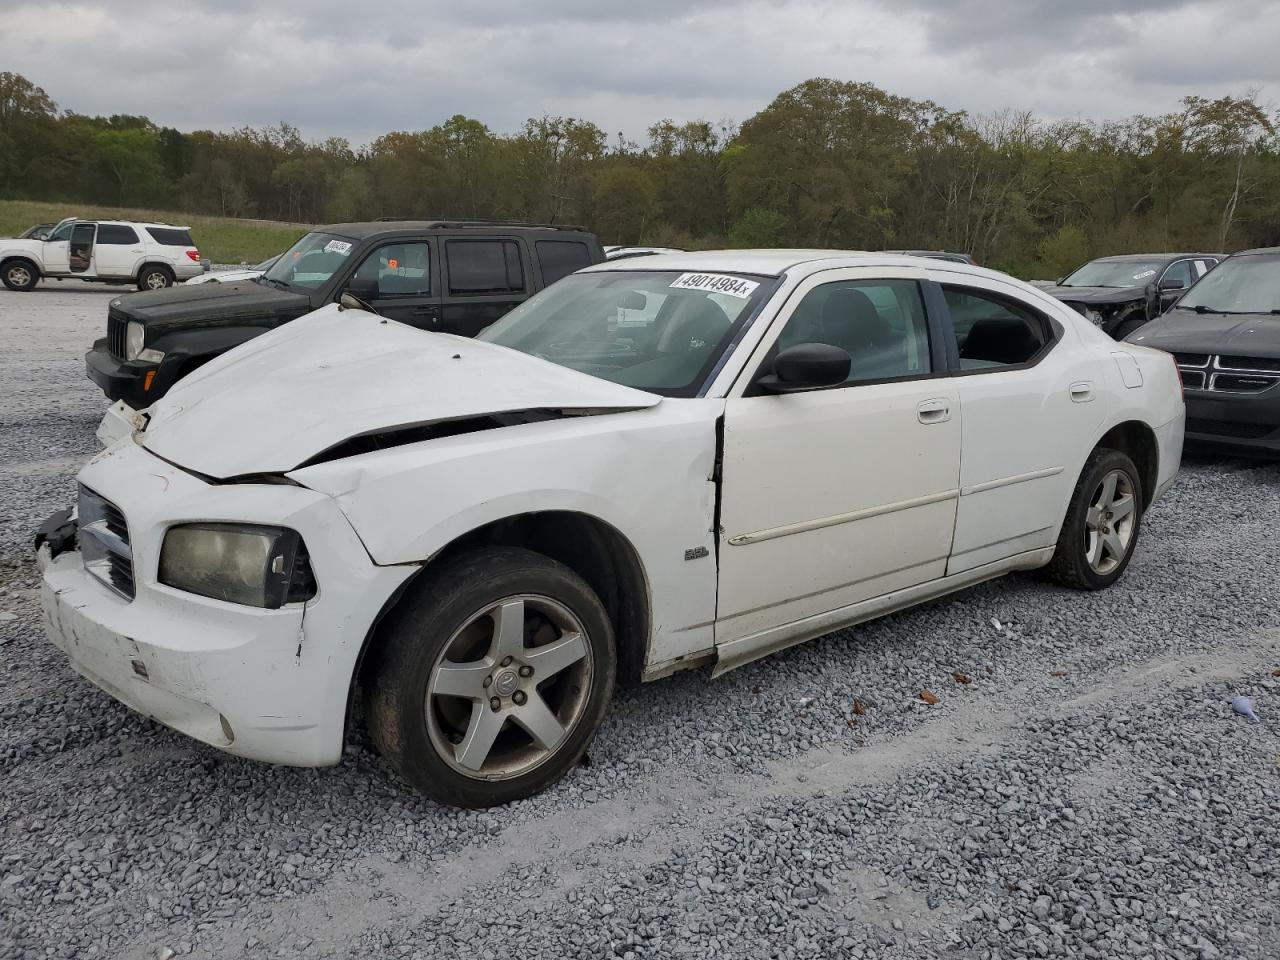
[
  {"x": 241, "y": 563},
  {"x": 135, "y": 335}
]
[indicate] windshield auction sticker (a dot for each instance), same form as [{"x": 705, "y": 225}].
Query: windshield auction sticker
[
  {"x": 716, "y": 283},
  {"x": 338, "y": 246},
  {"x": 1144, "y": 274}
]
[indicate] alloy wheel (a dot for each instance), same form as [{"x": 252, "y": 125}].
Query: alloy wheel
[
  {"x": 1110, "y": 522},
  {"x": 19, "y": 276},
  {"x": 509, "y": 687},
  {"x": 156, "y": 280}
]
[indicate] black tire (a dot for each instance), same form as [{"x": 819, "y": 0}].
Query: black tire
[
  {"x": 155, "y": 276},
  {"x": 1072, "y": 564},
  {"x": 442, "y": 610},
  {"x": 1129, "y": 324},
  {"x": 20, "y": 275}
]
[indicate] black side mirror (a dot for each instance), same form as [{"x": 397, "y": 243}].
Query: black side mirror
[
  {"x": 1172, "y": 284},
  {"x": 807, "y": 366}
]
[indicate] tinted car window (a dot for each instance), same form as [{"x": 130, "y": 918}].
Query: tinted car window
[
  {"x": 484, "y": 266},
  {"x": 394, "y": 270},
  {"x": 991, "y": 332},
  {"x": 879, "y": 323},
  {"x": 63, "y": 232},
  {"x": 116, "y": 233},
  {"x": 171, "y": 236},
  {"x": 1179, "y": 271},
  {"x": 559, "y": 258}
]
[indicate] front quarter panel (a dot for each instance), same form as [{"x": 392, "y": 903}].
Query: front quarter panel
[{"x": 646, "y": 473}]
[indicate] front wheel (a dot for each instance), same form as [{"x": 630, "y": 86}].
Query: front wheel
[
  {"x": 155, "y": 277},
  {"x": 19, "y": 275},
  {"x": 491, "y": 677},
  {"x": 1101, "y": 528},
  {"x": 1128, "y": 325}
]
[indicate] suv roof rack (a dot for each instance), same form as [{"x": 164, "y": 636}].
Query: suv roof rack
[{"x": 452, "y": 223}]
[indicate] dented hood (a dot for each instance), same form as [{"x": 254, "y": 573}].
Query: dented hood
[{"x": 287, "y": 396}]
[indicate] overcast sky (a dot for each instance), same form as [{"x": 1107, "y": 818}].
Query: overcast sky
[{"x": 356, "y": 68}]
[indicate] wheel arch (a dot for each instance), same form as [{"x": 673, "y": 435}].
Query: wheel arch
[
  {"x": 593, "y": 548},
  {"x": 153, "y": 262},
  {"x": 1138, "y": 441},
  {"x": 9, "y": 258}
]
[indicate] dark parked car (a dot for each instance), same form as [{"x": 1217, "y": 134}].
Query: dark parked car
[
  {"x": 938, "y": 255},
  {"x": 1224, "y": 334},
  {"x": 1120, "y": 294},
  {"x": 451, "y": 276}
]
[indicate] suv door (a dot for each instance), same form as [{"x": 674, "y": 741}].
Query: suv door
[
  {"x": 396, "y": 279},
  {"x": 80, "y": 252},
  {"x": 117, "y": 250},
  {"x": 836, "y": 495},
  {"x": 1180, "y": 271},
  {"x": 1031, "y": 413},
  {"x": 57, "y": 250},
  {"x": 484, "y": 279}
]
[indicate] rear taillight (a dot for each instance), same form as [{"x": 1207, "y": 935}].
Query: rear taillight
[{"x": 194, "y": 255}]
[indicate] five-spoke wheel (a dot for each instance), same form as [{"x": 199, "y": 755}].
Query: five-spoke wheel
[
  {"x": 490, "y": 678},
  {"x": 1101, "y": 526}
]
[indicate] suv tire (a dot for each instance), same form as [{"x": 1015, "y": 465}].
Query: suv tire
[
  {"x": 491, "y": 677},
  {"x": 155, "y": 276},
  {"x": 20, "y": 275}
]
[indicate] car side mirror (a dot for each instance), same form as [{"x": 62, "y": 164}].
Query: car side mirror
[
  {"x": 1172, "y": 284},
  {"x": 807, "y": 366}
]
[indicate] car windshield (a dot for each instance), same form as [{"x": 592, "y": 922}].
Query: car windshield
[
  {"x": 265, "y": 265},
  {"x": 1115, "y": 273},
  {"x": 661, "y": 331},
  {"x": 312, "y": 260},
  {"x": 1249, "y": 284}
]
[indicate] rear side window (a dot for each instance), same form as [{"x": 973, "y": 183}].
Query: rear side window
[
  {"x": 116, "y": 233},
  {"x": 993, "y": 332},
  {"x": 171, "y": 236},
  {"x": 559, "y": 258},
  {"x": 484, "y": 266}
]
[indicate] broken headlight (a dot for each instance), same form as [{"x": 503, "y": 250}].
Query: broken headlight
[{"x": 241, "y": 563}]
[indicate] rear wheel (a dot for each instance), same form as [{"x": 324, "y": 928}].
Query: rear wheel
[
  {"x": 154, "y": 276},
  {"x": 491, "y": 678},
  {"x": 1101, "y": 528},
  {"x": 19, "y": 275}
]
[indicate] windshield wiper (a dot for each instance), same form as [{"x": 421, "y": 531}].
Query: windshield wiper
[
  {"x": 1201, "y": 308},
  {"x": 279, "y": 283}
]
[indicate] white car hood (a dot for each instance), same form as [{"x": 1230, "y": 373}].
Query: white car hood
[{"x": 281, "y": 399}]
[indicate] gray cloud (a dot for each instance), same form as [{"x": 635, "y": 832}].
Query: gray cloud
[{"x": 332, "y": 67}]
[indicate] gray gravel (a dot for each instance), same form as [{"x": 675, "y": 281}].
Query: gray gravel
[{"x": 1081, "y": 789}]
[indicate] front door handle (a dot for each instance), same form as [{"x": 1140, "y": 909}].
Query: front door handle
[
  {"x": 1081, "y": 391},
  {"x": 933, "y": 411}
]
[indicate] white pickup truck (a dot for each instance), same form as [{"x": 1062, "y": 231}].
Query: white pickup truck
[{"x": 151, "y": 255}]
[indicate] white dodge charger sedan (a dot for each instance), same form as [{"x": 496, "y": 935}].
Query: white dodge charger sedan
[{"x": 681, "y": 460}]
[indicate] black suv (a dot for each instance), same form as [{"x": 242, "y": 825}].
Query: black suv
[{"x": 454, "y": 276}]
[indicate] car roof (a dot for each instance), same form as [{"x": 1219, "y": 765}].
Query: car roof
[
  {"x": 371, "y": 228},
  {"x": 1123, "y": 257},
  {"x": 774, "y": 263},
  {"x": 1257, "y": 251}
]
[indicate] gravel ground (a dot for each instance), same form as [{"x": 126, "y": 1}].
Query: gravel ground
[{"x": 1081, "y": 788}]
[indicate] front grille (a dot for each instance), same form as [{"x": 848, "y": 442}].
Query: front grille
[
  {"x": 117, "y": 327},
  {"x": 1266, "y": 364},
  {"x": 1227, "y": 374},
  {"x": 1224, "y": 428},
  {"x": 104, "y": 542}
]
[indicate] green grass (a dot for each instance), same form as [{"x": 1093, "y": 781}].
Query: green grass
[{"x": 220, "y": 239}]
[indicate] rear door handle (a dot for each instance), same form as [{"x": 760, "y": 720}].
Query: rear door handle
[
  {"x": 1081, "y": 391},
  {"x": 933, "y": 411}
]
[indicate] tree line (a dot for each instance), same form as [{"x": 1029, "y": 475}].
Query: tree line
[{"x": 826, "y": 164}]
